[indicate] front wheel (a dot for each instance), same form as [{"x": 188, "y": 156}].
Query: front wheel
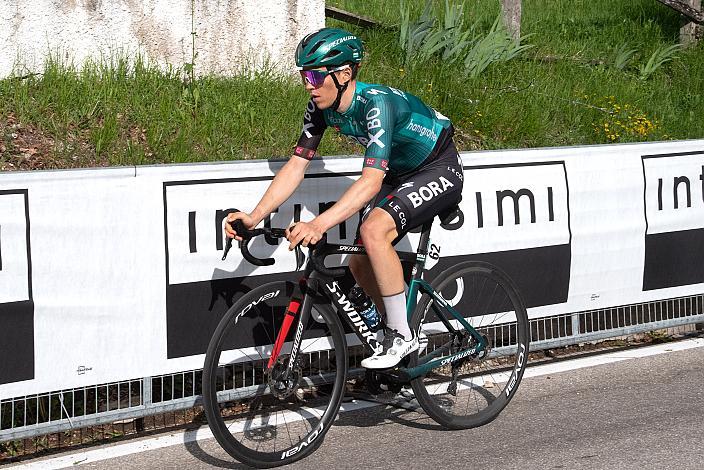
[
  {"x": 260, "y": 415},
  {"x": 470, "y": 390}
]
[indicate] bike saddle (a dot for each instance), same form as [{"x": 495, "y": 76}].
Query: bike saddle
[{"x": 455, "y": 214}]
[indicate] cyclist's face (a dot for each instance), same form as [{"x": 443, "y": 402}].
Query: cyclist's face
[{"x": 326, "y": 92}]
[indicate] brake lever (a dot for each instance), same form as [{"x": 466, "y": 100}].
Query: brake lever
[
  {"x": 300, "y": 257},
  {"x": 228, "y": 245}
]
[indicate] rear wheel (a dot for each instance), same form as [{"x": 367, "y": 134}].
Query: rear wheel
[
  {"x": 259, "y": 416},
  {"x": 471, "y": 390}
]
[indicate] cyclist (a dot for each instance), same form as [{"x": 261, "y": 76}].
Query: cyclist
[{"x": 411, "y": 173}]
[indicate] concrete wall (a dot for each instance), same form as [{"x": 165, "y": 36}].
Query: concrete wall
[{"x": 229, "y": 32}]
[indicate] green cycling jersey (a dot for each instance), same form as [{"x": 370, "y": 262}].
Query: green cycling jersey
[{"x": 398, "y": 130}]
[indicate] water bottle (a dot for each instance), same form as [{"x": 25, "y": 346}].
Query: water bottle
[{"x": 366, "y": 308}]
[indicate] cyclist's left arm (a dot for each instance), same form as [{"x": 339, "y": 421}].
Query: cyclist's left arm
[
  {"x": 380, "y": 120},
  {"x": 351, "y": 202},
  {"x": 381, "y": 116}
]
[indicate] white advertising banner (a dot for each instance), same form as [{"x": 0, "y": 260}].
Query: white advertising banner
[{"x": 116, "y": 274}]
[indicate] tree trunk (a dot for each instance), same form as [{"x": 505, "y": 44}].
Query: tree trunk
[
  {"x": 687, "y": 8},
  {"x": 512, "y": 17},
  {"x": 691, "y": 32}
]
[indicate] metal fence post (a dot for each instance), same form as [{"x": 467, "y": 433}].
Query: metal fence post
[
  {"x": 147, "y": 392},
  {"x": 575, "y": 324},
  {"x": 146, "y": 401}
]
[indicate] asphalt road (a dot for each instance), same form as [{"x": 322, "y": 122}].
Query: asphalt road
[{"x": 639, "y": 413}]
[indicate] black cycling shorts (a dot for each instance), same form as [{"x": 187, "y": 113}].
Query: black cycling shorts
[{"x": 417, "y": 197}]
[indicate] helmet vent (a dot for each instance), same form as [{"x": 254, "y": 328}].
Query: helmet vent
[
  {"x": 333, "y": 53},
  {"x": 315, "y": 47}
]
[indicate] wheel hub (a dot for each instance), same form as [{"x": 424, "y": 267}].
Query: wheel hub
[
  {"x": 484, "y": 352},
  {"x": 283, "y": 387}
]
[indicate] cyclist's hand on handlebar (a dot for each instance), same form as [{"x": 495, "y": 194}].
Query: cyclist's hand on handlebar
[
  {"x": 246, "y": 219},
  {"x": 303, "y": 233}
]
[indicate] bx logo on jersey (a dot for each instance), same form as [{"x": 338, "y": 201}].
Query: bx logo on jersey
[
  {"x": 372, "y": 162},
  {"x": 307, "y": 118},
  {"x": 373, "y": 122},
  {"x": 429, "y": 191}
]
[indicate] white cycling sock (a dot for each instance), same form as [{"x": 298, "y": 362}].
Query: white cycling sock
[{"x": 396, "y": 318}]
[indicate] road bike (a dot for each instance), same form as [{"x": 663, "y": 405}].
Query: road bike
[{"x": 276, "y": 368}]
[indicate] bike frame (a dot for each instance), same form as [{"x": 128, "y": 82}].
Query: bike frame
[{"x": 315, "y": 283}]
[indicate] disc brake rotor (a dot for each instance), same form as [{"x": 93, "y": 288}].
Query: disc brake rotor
[{"x": 282, "y": 387}]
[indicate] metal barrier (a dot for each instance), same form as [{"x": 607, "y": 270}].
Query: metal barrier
[{"x": 35, "y": 415}]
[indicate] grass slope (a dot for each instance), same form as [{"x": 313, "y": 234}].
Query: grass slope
[{"x": 565, "y": 90}]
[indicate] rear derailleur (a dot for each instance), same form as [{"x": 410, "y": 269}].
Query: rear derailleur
[{"x": 459, "y": 343}]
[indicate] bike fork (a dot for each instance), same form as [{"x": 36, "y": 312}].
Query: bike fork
[
  {"x": 297, "y": 309},
  {"x": 292, "y": 310}
]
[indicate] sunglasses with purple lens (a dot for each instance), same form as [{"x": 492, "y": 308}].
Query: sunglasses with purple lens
[{"x": 317, "y": 77}]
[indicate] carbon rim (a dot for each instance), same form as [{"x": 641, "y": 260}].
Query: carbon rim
[
  {"x": 252, "y": 424},
  {"x": 486, "y": 382}
]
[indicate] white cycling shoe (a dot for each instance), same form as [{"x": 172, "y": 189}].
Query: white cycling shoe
[{"x": 394, "y": 348}]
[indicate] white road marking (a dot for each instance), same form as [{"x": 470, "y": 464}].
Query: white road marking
[
  {"x": 617, "y": 356},
  {"x": 202, "y": 433}
]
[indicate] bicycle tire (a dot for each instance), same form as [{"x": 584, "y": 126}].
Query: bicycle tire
[
  {"x": 491, "y": 380},
  {"x": 242, "y": 424}
]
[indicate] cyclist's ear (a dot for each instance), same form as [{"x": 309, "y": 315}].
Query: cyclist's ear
[{"x": 345, "y": 75}]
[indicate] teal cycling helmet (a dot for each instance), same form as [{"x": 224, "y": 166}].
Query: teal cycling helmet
[{"x": 329, "y": 47}]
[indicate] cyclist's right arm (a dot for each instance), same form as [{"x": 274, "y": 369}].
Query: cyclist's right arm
[{"x": 291, "y": 174}]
